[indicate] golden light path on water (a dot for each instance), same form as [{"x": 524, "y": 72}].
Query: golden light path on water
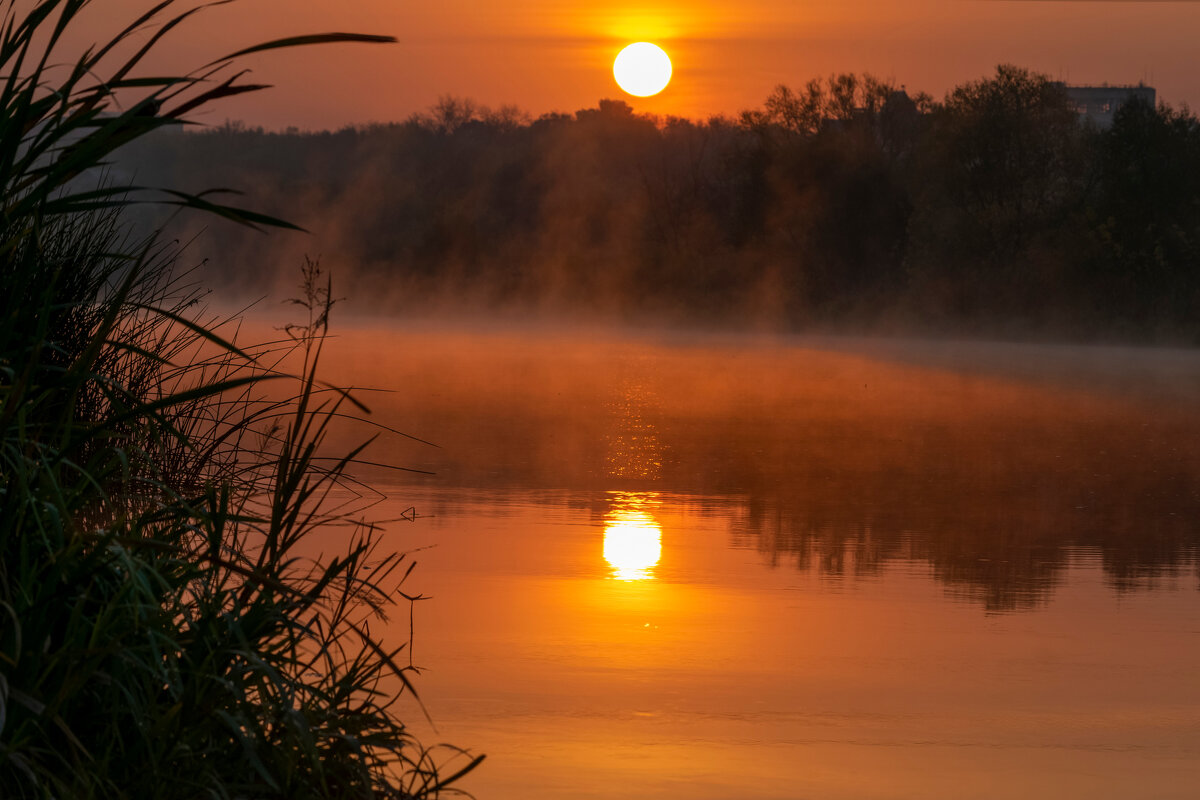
[{"x": 632, "y": 537}]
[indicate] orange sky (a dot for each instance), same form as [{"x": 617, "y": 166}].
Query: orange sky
[{"x": 555, "y": 55}]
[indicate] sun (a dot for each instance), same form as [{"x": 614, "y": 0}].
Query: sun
[{"x": 642, "y": 69}]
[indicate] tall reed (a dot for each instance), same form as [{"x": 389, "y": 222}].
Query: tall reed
[{"x": 163, "y": 632}]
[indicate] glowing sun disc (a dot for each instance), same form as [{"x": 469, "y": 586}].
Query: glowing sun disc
[{"x": 642, "y": 69}]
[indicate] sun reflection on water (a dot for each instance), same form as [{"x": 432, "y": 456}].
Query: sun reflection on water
[
  {"x": 634, "y": 449},
  {"x": 632, "y": 537}
]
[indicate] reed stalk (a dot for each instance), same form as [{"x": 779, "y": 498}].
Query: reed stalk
[{"x": 164, "y": 630}]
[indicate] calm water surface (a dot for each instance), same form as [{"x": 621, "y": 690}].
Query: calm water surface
[{"x": 718, "y": 568}]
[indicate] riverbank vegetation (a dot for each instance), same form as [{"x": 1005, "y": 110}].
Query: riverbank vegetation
[
  {"x": 166, "y": 628},
  {"x": 848, "y": 203}
]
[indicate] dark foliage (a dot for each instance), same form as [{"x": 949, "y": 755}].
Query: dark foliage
[
  {"x": 847, "y": 203},
  {"x": 165, "y": 631}
]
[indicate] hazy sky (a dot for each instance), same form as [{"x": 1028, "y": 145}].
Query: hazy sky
[{"x": 551, "y": 55}]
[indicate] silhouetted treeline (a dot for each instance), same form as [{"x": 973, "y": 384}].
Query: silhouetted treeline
[{"x": 847, "y": 202}]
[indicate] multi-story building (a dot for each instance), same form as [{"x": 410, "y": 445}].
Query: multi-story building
[{"x": 1099, "y": 103}]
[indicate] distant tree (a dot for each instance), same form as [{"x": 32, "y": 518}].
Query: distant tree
[
  {"x": 838, "y": 209},
  {"x": 449, "y": 114},
  {"x": 1148, "y": 215},
  {"x": 507, "y": 117},
  {"x": 997, "y": 188},
  {"x": 788, "y": 110},
  {"x": 840, "y": 99}
]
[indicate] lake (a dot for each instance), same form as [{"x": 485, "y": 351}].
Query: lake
[{"x": 673, "y": 566}]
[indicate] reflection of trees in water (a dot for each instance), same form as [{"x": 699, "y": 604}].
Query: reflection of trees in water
[
  {"x": 1007, "y": 556},
  {"x": 1001, "y": 568},
  {"x": 998, "y": 507},
  {"x": 1143, "y": 553},
  {"x": 832, "y": 547}
]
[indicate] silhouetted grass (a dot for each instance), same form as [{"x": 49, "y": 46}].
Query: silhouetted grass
[{"x": 164, "y": 631}]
